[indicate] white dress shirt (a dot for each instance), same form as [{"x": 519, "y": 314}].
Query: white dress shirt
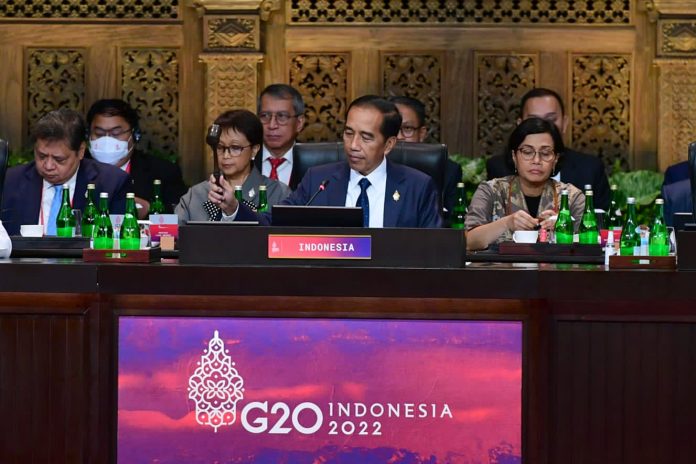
[
  {"x": 47, "y": 199},
  {"x": 284, "y": 170},
  {"x": 5, "y": 243},
  {"x": 375, "y": 192}
]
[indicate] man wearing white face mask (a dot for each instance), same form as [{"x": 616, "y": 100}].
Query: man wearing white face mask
[{"x": 114, "y": 132}]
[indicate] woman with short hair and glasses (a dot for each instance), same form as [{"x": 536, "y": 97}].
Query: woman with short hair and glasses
[
  {"x": 241, "y": 137},
  {"x": 530, "y": 198}
]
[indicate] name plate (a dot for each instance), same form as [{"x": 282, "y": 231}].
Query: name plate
[{"x": 319, "y": 246}]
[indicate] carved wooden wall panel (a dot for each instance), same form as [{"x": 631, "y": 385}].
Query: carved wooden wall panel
[
  {"x": 322, "y": 79},
  {"x": 501, "y": 81},
  {"x": 677, "y": 110},
  {"x": 417, "y": 76},
  {"x": 677, "y": 37},
  {"x": 231, "y": 82},
  {"x": 431, "y": 12},
  {"x": 55, "y": 78},
  {"x": 150, "y": 83},
  {"x": 601, "y": 106},
  {"x": 90, "y": 9},
  {"x": 231, "y": 33}
]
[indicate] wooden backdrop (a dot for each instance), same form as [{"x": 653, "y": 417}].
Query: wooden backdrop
[{"x": 625, "y": 68}]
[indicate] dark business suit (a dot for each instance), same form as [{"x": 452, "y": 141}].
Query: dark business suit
[
  {"x": 416, "y": 204},
  {"x": 677, "y": 196},
  {"x": 294, "y": 174},
  {"x": 576, "y": 168},
  {"x": 21, "y": 200},
  {"x": 144, "y": 169},
  {"x": 676, "y": 172}
]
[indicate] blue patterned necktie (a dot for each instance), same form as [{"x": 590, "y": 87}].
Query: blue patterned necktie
[
  {"x": 55, "y": 207},
  {"x": 364, "y": 202}
]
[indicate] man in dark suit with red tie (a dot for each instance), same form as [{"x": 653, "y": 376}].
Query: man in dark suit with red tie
[
  {"x": 281, "y": 111},
  {"x": 31, "y": 194},
  {"x": 573, "y": 167},
  {"x": 391, "y": 195}
]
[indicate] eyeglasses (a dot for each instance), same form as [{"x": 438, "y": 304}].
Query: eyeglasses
[
  {"x": 408, "y": 131},
  {"x": 282, "y": 118},
  {"x": 233, "y": 150},
  {"x": 115, "y": 132},
  {"x": 528, "y": 153}
]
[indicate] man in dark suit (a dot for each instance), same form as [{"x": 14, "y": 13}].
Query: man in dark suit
[
  {"x": 114, "y": 131},
  {"x": 281, "y": 111},
  {"x": 413, "y": 129},
  {"x": 677, "y": 196},
  {"x": 59, "y": 148},
  {"x": 573, "y": 167},
  {"x": 391, "y": 195}
]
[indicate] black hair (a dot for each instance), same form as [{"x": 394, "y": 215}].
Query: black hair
[
  {"x": 538, "y": 93},
  {"x": 533, "y": 126},
  {"x": 416, "y": 105},
  {"x": 391, "y": 118},
  {"x": 283, "y": 92},
  {"x": 115, "y": 107},
  {"x": 61, "y": 125},
  {"x": 243, "y": 121}
]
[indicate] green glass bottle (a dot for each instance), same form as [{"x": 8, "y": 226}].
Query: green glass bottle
[
  {"x": 630, "y": 236},
  {"x": 238, "y": 194},
  {"x": 130, "y": 231},
  {"x": 659, "y": 237},
  {"x": 263, "y": 199},
  {"x": 65, "y": 221},
  {"x": 104, "y": 235},
  {"x": 89, "y": 217},
  {"x": 589, "y": 233},
  {"x": 156, "y": 204},
  {"x": 564, "y": 223},
  {"x": 459, "y": 210},
  {"x": 612, "y": 219}
]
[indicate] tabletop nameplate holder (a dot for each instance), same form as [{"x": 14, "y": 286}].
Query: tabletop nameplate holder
[{"x": 390, "y": 247}]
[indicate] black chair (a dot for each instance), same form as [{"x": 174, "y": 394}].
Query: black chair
[
  {"x": 4, "y": 155},
  {"x": 430, "y": 158}
]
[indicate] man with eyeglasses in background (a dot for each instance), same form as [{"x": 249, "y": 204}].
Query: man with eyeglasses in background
[
  {"x": 413, "y": 129},
  {"x": 281, "y": 111},
  {"x": 114, "y": 131},
  {"x": 573, "y": 167}
]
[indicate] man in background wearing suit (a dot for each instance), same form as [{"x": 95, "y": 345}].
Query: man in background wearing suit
[
  {"x": 281, "y": 111},
  {"x": 573, "y": 167},
  {"x": 413, "y": 129},
  {"x": 390, "y": 194},
  {"x": 32, "y": 191},
  {"x": 114, "y": 131}
]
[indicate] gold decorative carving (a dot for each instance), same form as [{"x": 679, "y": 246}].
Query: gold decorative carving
[
  {"x": 150, "y": 84},
  {"x": 90, "y": 9},
  {"x": 416, "y": 76},
  {"x": 601, "y": 106},
  {"x": 231, "y": 33},
  {"x": 264, "y": 7},
  {"x": 55, "y": 79},
  {"x": 677, "y": 38},
  {"x": 677, "y": 110},
  {"x": 322, "y": 79},
  {"x": 429, "y": 12},
  {"x": 671, "y": 7},
  {"x": 502, "y": 80}
]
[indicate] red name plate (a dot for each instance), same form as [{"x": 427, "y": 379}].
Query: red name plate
[{"x": 319, "y": 246}]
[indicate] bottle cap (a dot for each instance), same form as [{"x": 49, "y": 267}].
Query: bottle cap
[
  {"x": 157, "y": 182},
  {"x": 588, "y": 187},
  {"x": 630, "y": 200},
  {"x": 238, "y": 187},
  {"x": 614, "y": 187},
  {"x": 564, "y": 192},
  {"x": 588, "y": 193},
  {"x": 261, "y": 187},
  {"x": 104, "y": 195},
  {"x": 460, "y": 184},
  {"x": 91, "y": 186},
  {"x": 130, "y": 195},
  {"x": 659, "y": 201}
]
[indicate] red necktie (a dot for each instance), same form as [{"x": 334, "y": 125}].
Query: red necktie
[{"x": 275, "y": 162}]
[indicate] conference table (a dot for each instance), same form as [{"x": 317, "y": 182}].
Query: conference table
[{"x": 607, "y": 358}]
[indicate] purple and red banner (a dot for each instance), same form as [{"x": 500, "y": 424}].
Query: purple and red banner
[
  {"x": 319, "y": 246},
  {"x": 318, "y": 390}
]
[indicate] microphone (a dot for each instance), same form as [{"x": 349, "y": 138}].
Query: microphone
[
  {"x": 321, "y": 188},
  {"x": 212, "y": 138}
]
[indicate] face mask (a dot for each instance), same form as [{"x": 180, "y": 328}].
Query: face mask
[{"x": 108, "y": 150}]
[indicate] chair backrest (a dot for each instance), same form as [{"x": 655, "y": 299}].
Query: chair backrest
[
  {"x": 430, "y": 158},
  {"x": 4, "y": 155}
]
